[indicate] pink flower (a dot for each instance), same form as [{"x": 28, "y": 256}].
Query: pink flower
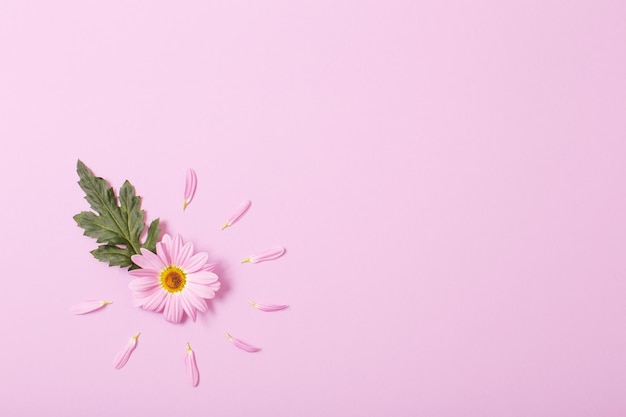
[
  {"x": 173, "y": 280},
  {"x": 191, "y": 182},
  {"x": 124, "y": 355},
  {"x": 88, "y": 306}
]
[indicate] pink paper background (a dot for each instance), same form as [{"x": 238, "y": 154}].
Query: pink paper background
[{"x": 447, "y": 176}]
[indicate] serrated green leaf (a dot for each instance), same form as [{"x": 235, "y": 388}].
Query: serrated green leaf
[
  {"x": 153, "y": 235},
  {"x": 117, "y": 225},
  {"x": 96, "y": 227},
  {"x": 114, "y": 255}
]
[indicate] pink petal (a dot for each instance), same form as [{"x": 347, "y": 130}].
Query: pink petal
[
  {"x": 143, "y": 272},
  {"x": 143, "y": 283},
  {"x": 144, "y": 294},
  {"x": 184, "y": 254},
  {"x": 192, "y": 367},
  {"x": 196, "y": 301},
  {"x": 148, "y": 260},
  {"x": 242, "y": 345},
  {"x": 201, "y": 290},
  {"x": 173, "y": 308},
  {"x": 208, "y": 267},
  {"x": 123, "y": 356},
  {"x": 162, "y": 302},
  {"x": 266, "y": 255},
  {"x": 269, "y": 307},
  {"x": 191, "y": 182},
  {"x": 138, "y": 302},
  {"x": 155, "y": 301},
  {"x": 187, "y": 306},
  {"x": 174, "y": 249},
  {"x": 202, "y": 277},
  {"x": 195, "y": 263},
  {"x": 88, "y": 306},
  {"x": 163, "y": 253},
  {"x": 166, "y": 240},
  {"x": 238, "y": 214}
]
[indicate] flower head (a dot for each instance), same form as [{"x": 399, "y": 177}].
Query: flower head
[{"x": 173, "y": 280}]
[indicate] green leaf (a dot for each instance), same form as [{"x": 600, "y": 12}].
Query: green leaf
[
  {"x": 118, "y": 226},
  {"x": 153, "y": 235},
  {"x": 114, "y": 255}
]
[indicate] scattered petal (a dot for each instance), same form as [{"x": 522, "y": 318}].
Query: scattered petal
[
  {"x": 192, "y": 367},
  {"x": 88, "y": 306},
  {"x": 266, "y": 255},
  {"x": 238, "y": 214},
  {"x": 268, "y": 307},
  {"x": 124, "y": 355},
  {"x": 242, "y": 345},
  {"x": 191, "y": 182}
]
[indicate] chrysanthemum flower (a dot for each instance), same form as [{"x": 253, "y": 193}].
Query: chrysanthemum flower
[{"x": 173, "y": 280}]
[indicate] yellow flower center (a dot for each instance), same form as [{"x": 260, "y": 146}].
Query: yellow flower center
[{"x": 173, "y": 279}]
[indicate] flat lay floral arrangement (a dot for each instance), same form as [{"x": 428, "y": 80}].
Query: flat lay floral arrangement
[{"x": 168, "y": 276}]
